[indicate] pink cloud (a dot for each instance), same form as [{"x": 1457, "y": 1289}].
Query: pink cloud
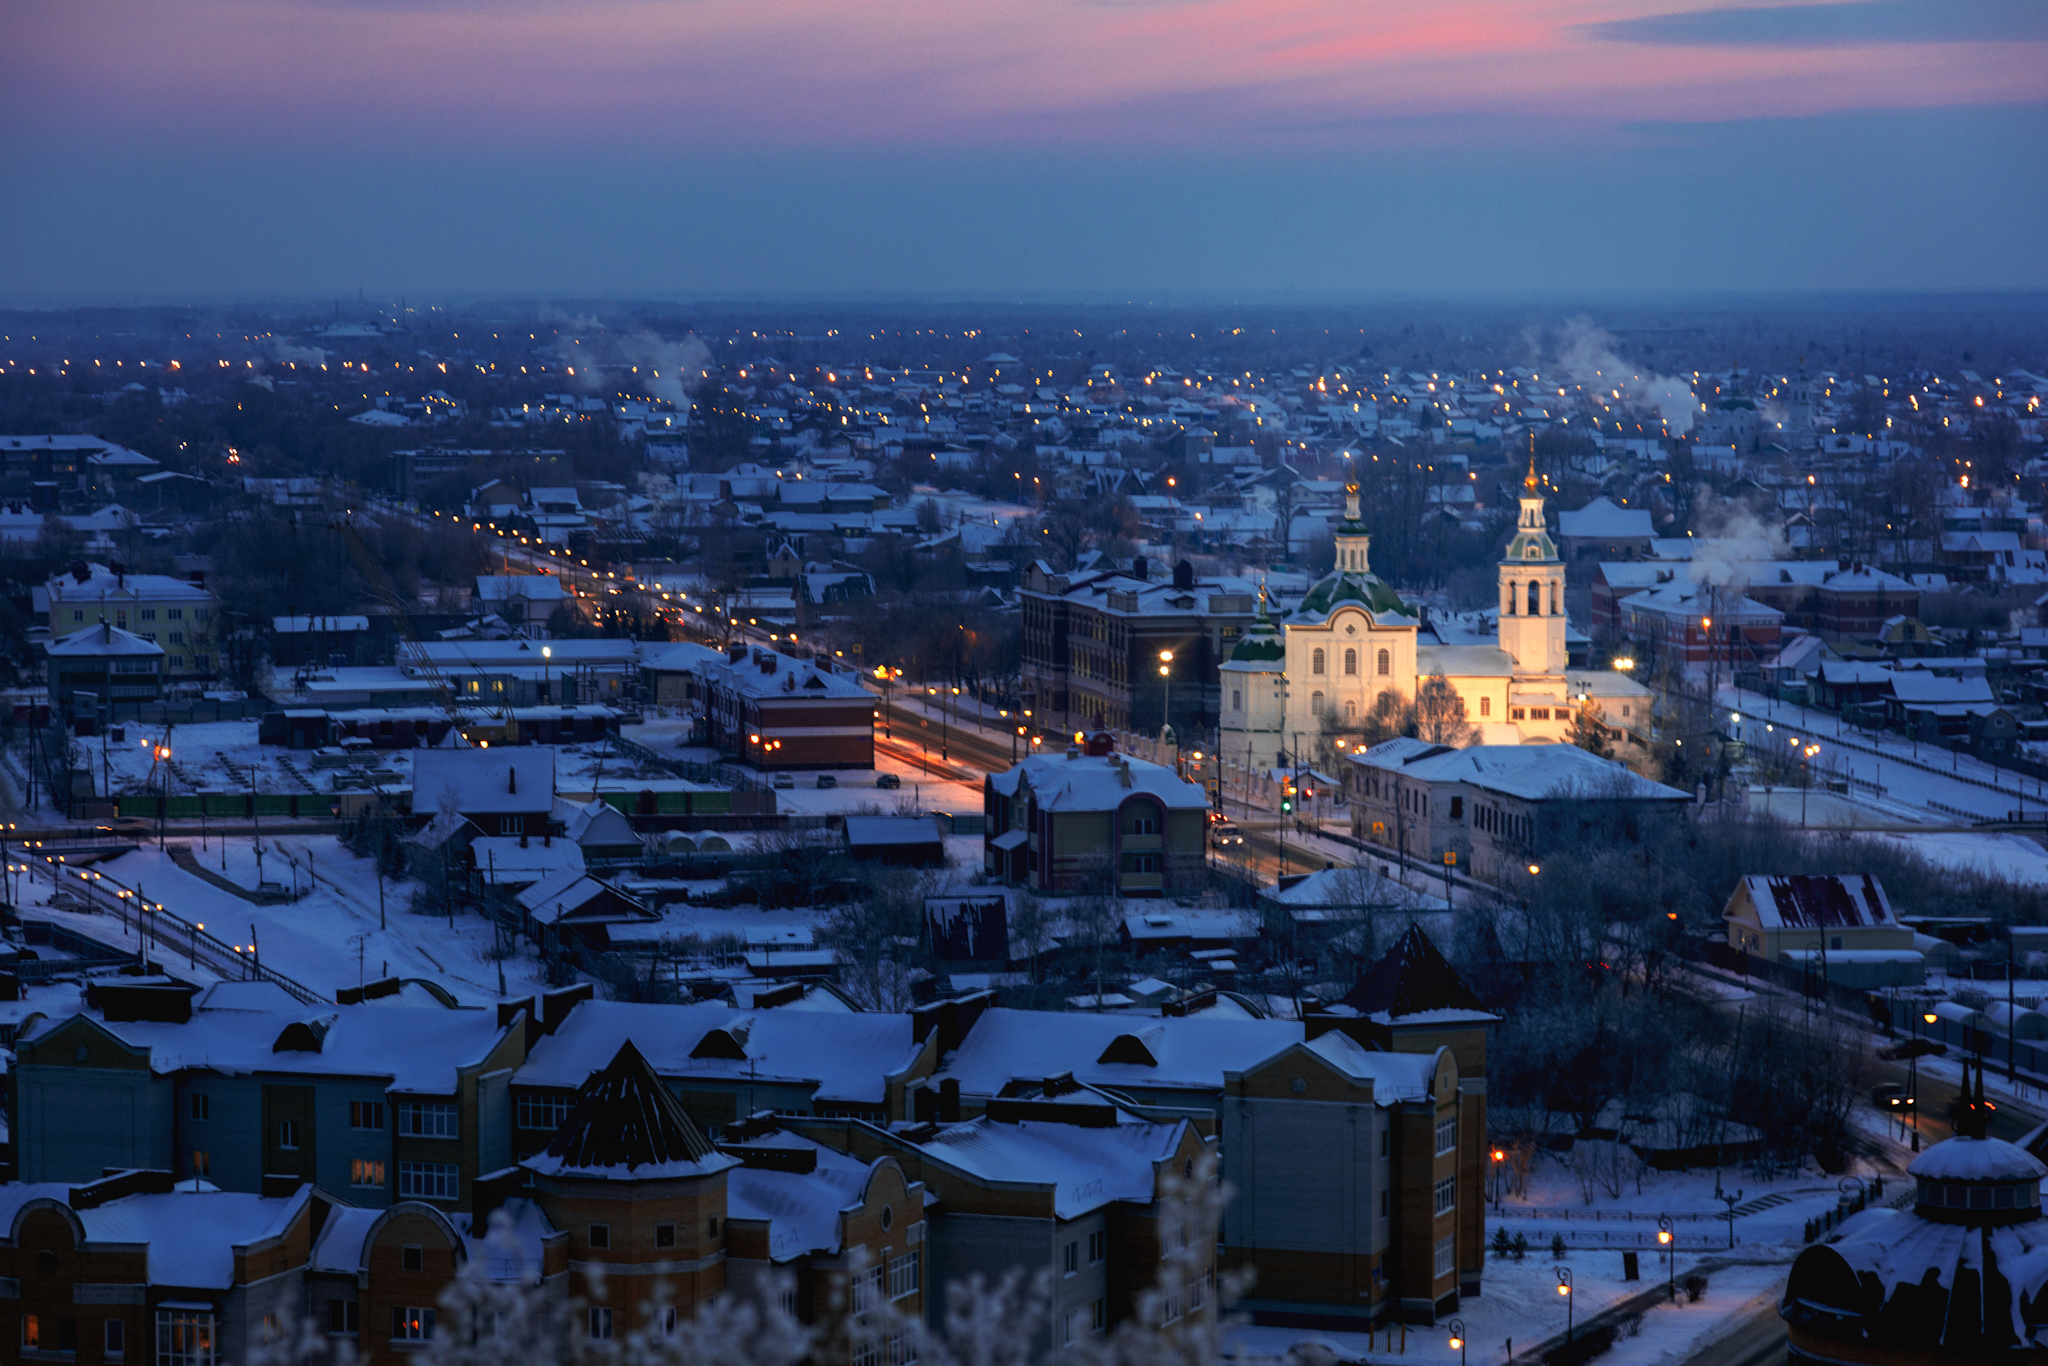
[{"x": 1045, "y": 75}]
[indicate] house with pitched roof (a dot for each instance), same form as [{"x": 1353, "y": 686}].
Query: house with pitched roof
[{"x": 1845, "y": 923}]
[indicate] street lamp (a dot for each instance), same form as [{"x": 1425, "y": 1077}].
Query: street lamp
[
  {"x": 1498, "y": 1192},
  {"x": 1458, "y": 1339},
  {"x": 1670, "y": 1246},
  {"x": 1564, "y": 1288},
  {"x": 1165, "y": 693},
  {"x": 1731, "y": 1201},
  {"x": 547, "y": 682},
  {"x": 1809, "y": 752}
]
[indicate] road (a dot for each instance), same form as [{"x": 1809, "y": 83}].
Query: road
[{"x": 1761, "y": 1340}]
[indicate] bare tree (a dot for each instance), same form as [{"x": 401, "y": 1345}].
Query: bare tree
[{"x": 1440, "y": 713}]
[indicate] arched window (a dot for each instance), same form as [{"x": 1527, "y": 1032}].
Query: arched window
[
  {"x": 1532, "y": 553},
  {"x": 1535, "y": 598},
  {"x": 1486, "y": 706},
  {"x": 1350, "y": 711},
  {"x": 1237, "y": 699},
  {"x": 1350, "y": 662},
  {"x": 1315, "y": 664},
  {"x": 1386, "y": 664},
  {"x": 1315, "y": 703}
]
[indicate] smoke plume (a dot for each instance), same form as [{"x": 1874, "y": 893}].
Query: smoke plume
[{"x": 1588, "y": 351}]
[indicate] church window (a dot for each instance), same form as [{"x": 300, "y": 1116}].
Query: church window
[
  {"x": 1237, "y": 699},
  {"x": 1350, "y": 662},
  {"x": 1515, "y": 714},
  {"x": 1486, "y": 706},
  {"x": 1350, "y": 711},
  {"x": 1533, "y": 553},
  {"x": 1535, "y": 598},
  {"x": 1386, "y": 664},
  {"x": 1315, "y": 663},
  {"x": 1315, "y": 699}
]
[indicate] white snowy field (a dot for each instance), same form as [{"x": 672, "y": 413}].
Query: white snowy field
[
  {"x": 326, "y": 940},
  {"x": 2017, "y": 858},
  {"x": 1918, "y": 776}
]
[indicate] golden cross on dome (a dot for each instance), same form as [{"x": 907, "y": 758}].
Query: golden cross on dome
[{"x": 1530, "y": 482}]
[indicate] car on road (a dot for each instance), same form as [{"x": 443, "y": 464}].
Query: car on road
[
  {"x": 1890, "y": 1095},
  {"x": 783, "y": 781},
  {"x": 1226, "y": 835},
  {"x": 827, "y": 780},
  {"x": 888, "y": 780}
]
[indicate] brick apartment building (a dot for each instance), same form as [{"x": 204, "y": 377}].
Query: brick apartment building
[{"x": 1092, "y": 640}]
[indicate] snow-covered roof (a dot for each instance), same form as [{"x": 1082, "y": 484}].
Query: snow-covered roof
[
  {"x": 351, "y": 1042},
  {"x": 1352, "y": 887},
  {"x": 1095, "y": 782},
  {"x": 1527, "y": 772},
  {"x": 484, "y": 781},
  {"x": 1086, "y": 1166},
  {"x": 844, "y": 1056},
  {"x": 1924, "y": 686},
  {"x": 104, "y": 641},
  {"x": 1395, "y": 1077},
  {"x": 1604, "y": 519},
  {"x": 801, "y": 1209},
  {"x": 509, "y": 858},
  {"x": 1811, "y": 902},
  {"x": 1186, "y": 1053},
  {"x": 192, "y": 1235},
  {"x": 498, "y": 588}
]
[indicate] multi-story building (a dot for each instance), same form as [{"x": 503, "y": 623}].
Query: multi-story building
[
  {"x": 1835, "y": 600},
  {"x": 109, "y": 664},
  {"x": 1093, "y": 638},
  {"x": 1061, "y": 823},
  {"x": 174, "y": 613},
  {"x": 1064, "y": 1178},
  {"x": 125, "y": 1268},
  {"x": 375, "y": 1103},
  {"x": 776, "y": 711},
  {"x": 1387, "y": 1090},
  {"x": 1489, "y": 808}
]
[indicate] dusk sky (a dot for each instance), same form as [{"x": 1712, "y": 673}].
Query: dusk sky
[{"x": 169, "y": 149}]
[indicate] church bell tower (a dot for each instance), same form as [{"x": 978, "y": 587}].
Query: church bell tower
[{"x": 1532, "y": 617}]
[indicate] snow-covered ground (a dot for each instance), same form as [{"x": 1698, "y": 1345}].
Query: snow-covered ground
[
  {"x": 326, "y": 940},
  {"x": 1891, "y": 762},
  {"x": 1520, "y": 1302},
  {"x": 2017, "y": 858}
]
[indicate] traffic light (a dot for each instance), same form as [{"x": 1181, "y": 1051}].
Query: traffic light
[{"x": 1286, "y": 802}]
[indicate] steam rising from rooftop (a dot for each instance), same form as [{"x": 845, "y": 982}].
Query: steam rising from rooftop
[{"x": 1587, "y": 351}]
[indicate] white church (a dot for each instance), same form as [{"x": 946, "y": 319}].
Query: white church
[{"x": 1352, "y": 638}]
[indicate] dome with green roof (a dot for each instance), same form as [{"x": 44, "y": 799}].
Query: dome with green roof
[
  {"x": 1261, "y": 644},
  {"x": 1353, "y": 579}
]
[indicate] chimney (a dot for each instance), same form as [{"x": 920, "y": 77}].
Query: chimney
[
  {"x": 1123, "y": 773},
  {"x": 81, "y": 571},
  {"x": 735, "y": 652},
  {"x": 949, "y": 1101},
  {"x": 1139, "y": 568},
  {"x": 512, "y": 779}
]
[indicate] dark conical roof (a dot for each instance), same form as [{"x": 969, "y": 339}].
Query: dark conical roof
[
  {"x": 1412, "y": 977},
  {"x": 625, "y": 1119}
]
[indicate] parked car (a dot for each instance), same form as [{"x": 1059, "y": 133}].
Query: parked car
[
  {"x": 888, "y": 780},
  {"x": 784, "y": 780},
  {"x": 827, "y": 780}
]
